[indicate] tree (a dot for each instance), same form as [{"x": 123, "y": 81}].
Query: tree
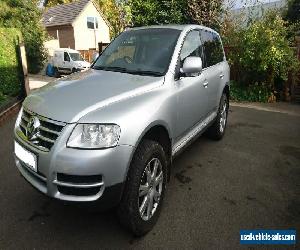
[
  {"x": 150, "y": 12},
  {"x": 113, "y": 13},
  {"x": 24, "y": 15},
  {"x": 207, "y": 13},
  {"x": 292, "y": 16},
  {"x": 293, "y": 11},
  {"x": 261, "y": 51},
  {"x": 51, "y": 3}
]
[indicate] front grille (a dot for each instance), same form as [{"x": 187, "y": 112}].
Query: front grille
[{"x": 48, "y": 130}]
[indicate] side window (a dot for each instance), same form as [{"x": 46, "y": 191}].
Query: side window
[
  {"x": 191, "y": 47},
  {"x": 66, "y": 57},
  {"x": 218, "y": 50},
  {"x": 212, "y": 48}
]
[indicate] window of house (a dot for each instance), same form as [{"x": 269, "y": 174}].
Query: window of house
[
  {"x": 96, "y": 22},
  {"x": 212, "y": 48},
  {"x": 92, "y": 22}
]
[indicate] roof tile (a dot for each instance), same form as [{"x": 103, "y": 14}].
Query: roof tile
[{"x": 63, "y": 14}]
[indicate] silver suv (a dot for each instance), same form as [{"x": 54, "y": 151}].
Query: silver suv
[{"x": 110, "y": 134}]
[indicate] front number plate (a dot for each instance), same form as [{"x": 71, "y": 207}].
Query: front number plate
[{"x": 25, "y": 156}]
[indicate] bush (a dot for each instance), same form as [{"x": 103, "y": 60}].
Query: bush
[
  {"x": 251, "y": 93},
  {"x": 10, "y": 71},
  {"x": 261, "y": 51},
  {"x": 2, "y": 98},
  {"x": 150, "y": 12},
  {"x": 25, "y": 16}
]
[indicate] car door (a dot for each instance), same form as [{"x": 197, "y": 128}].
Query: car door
[
  {"x": 191, "y": 91},
  {"x": 67, "y": 62},
  {"x": 213, "y": 70}
]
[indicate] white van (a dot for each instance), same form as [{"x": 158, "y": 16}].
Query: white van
[{"x": 66, "y": 61}]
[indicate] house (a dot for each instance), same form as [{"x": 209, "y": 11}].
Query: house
[{"x": 79, "y": 25}]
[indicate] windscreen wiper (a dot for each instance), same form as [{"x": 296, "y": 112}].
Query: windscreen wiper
[
  {"x": 146, "y": 72},
  {"x": 125, "y": 70},
  {"x": 108, "y": 68}
]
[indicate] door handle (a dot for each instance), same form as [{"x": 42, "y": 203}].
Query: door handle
[
  {"x": 221, "y": 76},
  {"x": 205, "y": 84}
]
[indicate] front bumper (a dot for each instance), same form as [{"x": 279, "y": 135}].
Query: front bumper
[
  {"x": 76, "y": 174},
  {"x": 82, "y": 68}
]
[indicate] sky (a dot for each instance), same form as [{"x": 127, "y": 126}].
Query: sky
[{"x": 240, "y": 3}]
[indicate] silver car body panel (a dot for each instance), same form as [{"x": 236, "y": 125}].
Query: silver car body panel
[
  {"x": 76, "y": 95},
  {"x": 184, "y": 107}
]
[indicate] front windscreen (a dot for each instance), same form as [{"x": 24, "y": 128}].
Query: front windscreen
[
  {"x": 76, "y": 57},
  {"x": 144, "y": 51}
]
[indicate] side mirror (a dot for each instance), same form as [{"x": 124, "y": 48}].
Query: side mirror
[{"x": 191, "y": 65}]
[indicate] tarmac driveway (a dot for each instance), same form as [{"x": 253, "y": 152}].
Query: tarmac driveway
[{"x": 249, "y": 180}]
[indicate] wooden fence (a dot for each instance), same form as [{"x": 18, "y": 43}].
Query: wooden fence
[
  {"x": 89, "y": 54},
  {"x": 23, "y": 60}
]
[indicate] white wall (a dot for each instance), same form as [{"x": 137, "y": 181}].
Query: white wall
[
  {"x": 87, "y": 38},
  {"x": 51, "y": 45}
]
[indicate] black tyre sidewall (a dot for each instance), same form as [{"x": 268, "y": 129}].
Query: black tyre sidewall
[
  {"x": 56, "y": 73},
  {"x": 214, "y": 131},
  {"x": 129, "y": 211}
]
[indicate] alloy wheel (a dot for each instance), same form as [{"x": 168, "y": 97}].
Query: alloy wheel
[
  {"x": 150, "y": 189},
  {"x": 223, "y": 116}
]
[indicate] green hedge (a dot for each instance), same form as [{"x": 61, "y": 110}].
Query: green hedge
[
  {"x": 251, "y": 93},
  {"x": 10, "y": 68}
]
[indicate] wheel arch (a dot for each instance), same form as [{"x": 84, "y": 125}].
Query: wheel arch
[
  {"x": 159, "y": 132},
  {"x": 226, "y": 90}
]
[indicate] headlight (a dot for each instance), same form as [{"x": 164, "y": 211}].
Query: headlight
[
  {"x": 18, "y": 121},
  {"x": 94, "y": 136}
]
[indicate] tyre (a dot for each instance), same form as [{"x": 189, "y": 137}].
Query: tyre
[
  {"x": 217, "y": 129},
  {"x": 56, "y": 73},
  {"x": 144, "y": 191},
  {"x": 74, "y": 70}
]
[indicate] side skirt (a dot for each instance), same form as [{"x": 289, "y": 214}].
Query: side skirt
[{"x": 196, "y": 131}]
